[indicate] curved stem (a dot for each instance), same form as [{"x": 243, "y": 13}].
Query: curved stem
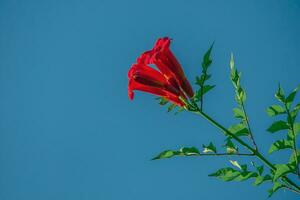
[{"x": 252, "y": 150}]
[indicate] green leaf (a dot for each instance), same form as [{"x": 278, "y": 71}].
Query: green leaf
[
  {"x": 281, "y": 144},
  {"x": 291, "y": 96},
  {"x": 239, "y": 130},
  {"x": 275, "y": 110},
  {"x": 278, "y": 126},
  {"x": 241, "y": 95},
  {"x": 297, "y": 127},
  {"x": 207, "y": 88},
  {"x": 246, "y": 175},
  {"x": 197, "y": 96},
  {"x": 184, "y": 151},
  {"x": 206, "y": 62},
  {"x": 290, "y": 135},
  {"x": 209, "y": 148},
  {"x": 260, "y": 179},
  {"x": 281, "y": 170},
  {"x": 226, "y": 174},
  {"x": 280, "y": 94},
  {"x": 297, "y": 107},
  {"x": 202, "y": 91},
  {"x": 275, "y": 187},
  {"x": 238, "y": 113},
  {"x": 189, "y": 151},
  {"x": 230, "y": 174},
  {"x": 166, "y": 154},
  {"x": 292, "y": 160}
]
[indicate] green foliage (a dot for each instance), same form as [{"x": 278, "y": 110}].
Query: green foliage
[
  {"x": 281, "y": 144},
  {"x": 235, "y": 76},
  {"x": 292, "y": 160},
  {"x": 276, "y": 187},
  {"x": 239, "y": 129},
  {"x": 166, "y": 154},
  {"x": 290, "y": 98},
  {"x": 260, "y": 179},
  {"x": 201, "y": 80},
  {"x": 210, "y": 148},
  {"x": 239, "y": 113},
  {"x": 280, "y": 94},
  {"x": 231, "y": 174},
  {"x": 206, "y": 61},
  {"x": 282, "y": 169},
  {"x": 278, "y": 126},
  {"x": 275, "y": 110},
  {"x": 184, "y": 151}
]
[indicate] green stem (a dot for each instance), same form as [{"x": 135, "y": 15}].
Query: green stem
[
  {"x": 291, "y": 123},
  {"x": 248, "y": 125},
  {"x": 252, "y": 150}
]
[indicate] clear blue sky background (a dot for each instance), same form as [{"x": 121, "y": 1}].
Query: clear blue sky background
[{"x": 67, "y": 128}]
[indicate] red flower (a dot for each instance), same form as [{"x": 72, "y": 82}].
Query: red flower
[
  {"x": 169, "y": 82},
  {"x": 146, "y": 79},
  {"x": 166, "y": 62}
]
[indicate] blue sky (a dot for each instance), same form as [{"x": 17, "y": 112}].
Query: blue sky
[{"x": 67, "y": 128}]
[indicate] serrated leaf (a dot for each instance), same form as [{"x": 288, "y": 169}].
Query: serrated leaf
[
  {"x": 260, "y": 179},
  {"x": 275, "y": 187},
  {"x": 238, "y": 113},
  {"x": 189, "y": 151},
  {"x": 209, "y": 148},
  {"x": 281, "y": 144},
  {"x": 281, "y": 170},
  {"x": 239, "y": 130},
  {"x": 275, "y": 110},
  {"x": 235, "y": 163},
  {"x": 278, "y": 126},
  {"x": 166, "y": 154}
]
